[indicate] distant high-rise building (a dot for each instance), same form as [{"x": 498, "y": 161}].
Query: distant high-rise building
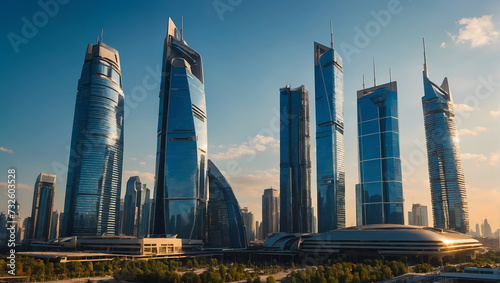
[
  {"x": 486, "y": 229},
  {"x": 448, "y": 191},
  {"x": 27, "y": 227},
  {"x": 478, "y": 231},
  {"x": 54, "y": 227},
  {"x": 418, "y": 215},
  {"x": 181, "y": 158},
  {"x": 95, "y": 165},
  {"x": 295, "y": 161},
  {"x": 248, "y": 220},
  {"x": 270, "y": 212},
  {"x": 329, "y": 92},
  {"x": 380, "y": 183},
  {"x": 225, "y": 222},
  {"x": 61, "y": 224},
  {"x": 145, "y": 223},
  {"x": 41, "y": 211},
  {"x": 132, "y": 209}
]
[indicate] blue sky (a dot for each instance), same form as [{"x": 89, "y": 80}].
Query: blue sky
[{"x": 250, "y": 49}]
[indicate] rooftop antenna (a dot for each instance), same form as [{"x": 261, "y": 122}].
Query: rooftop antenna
[
  {"x": 390, "y": 76},
  {"x": 374, "y": 74},
  {"x": 363, "y": 81},
  {"x": 331, "y": 34},
  {"x": 102, "y": 32},
  {"x": 182, "y": 26},
  {"x": 425, "y": 60}
]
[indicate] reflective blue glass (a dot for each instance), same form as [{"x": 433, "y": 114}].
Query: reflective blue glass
[
  {"x": 295, "y": 161},
  {"x": 181, "y": 180},
  {"x": 225, "y": 221},
  {"x": 95, "y": 167},
  {"x": 329, "y": 95},
  {"x": 446, "y": 176},
  {"x": 41, "y": 211},
  {"x": 133, "y": 205},
  {"x": 380, "y": 189}
]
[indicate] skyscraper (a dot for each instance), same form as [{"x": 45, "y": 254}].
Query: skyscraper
[
  {"x": 329, "y": 92},
  {"x": 181, "y": 156},
  {"x": 41, "y": 211},
  {"x": 418, "y": 215},
  {"x": 270, "y": 212},
  {"x": 486, "y": 229},
  {"x": 132, "y": 208},
  {"x": 145, "y": 223},
  {"x": 380, "y": 183},
  {"x": 295, "y": 161},
  {"x": 446, "y": 177},
  {"x": 249, "y": 224},
  {"x": 225, "y": 221},
  {"x": 95, "y": 166},
  {"x": 54, "y": 227}
]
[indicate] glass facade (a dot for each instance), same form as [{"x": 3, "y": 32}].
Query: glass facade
[
  {"x": 295, "y": 161},
  {"x": 329, "y": 91},
  {"x": 448, "y": 191},
  {"x": 95, "y": 167},
  {"x": 145, "y": 224},
  {"x": 225, "y": 222},
  {"x": 132, "y": 208},
  {"x": 270, "y": 213},
  {"x": 181, "y": 178},
  {"x": 380, "y": 189},
  {"x": 41, "y": 211}
]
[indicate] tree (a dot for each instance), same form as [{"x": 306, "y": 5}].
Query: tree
[{"x": 270, "y": 279}]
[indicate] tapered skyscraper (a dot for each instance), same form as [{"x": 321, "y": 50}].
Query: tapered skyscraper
[
  {"x": 225, "y": 222},
  {"x": 133, "y": 205},
  {"x": 95, "y": 166},
  {"x": 380, "y": 189},
  {"x": 295, "y": 161},
  {"x": 329, "y": 92},
  {"x": 448, "y": 192},
  {"x": 41, "y": 211},
  {"x": 181, "y": 156}
]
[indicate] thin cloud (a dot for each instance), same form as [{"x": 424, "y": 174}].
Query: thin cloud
[
  {"x": 494, "y": 158},
  {"x": 478, "y": 31},
  {"x": 473, "y": 156},
  {"x": 462, "y": 107},
  {"x": 133, "y": 158},
  {"x": 141, "y": 163},
  {"x": 150, "y": 156},
  {"x": 495, "y": 113},
  {"x": 443, "y": 44},
  {"x": 19, "y": 186},
  {"x": 257, "y": 144},
  {"x": 473, "y": 132},
  {"x": 6, "y": 150}
]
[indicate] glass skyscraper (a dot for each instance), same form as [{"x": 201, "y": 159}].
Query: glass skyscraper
[
  {"x": 181, "y": 156},
  {"x": 225, "y": 222},
  {"x": 380, "y": 188},
  {"x": 132, "y": 208},
  {"x": 41, "y": 211},
  {"x": 95, "y": 166},
  {"x": 295, "y": 161},
  {"x": 329, "y": 91},
  {"x": 448, "y": 192},
  {"x": 270, "y": 213}
]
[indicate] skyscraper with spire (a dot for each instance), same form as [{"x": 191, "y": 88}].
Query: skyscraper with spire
[
  {"x": 329, "y": 92},
  {"x": 181, "y": 156},
  {"x": 446, "y": 177},
  {"x": 379, "y": 194},
  {"x": 93, "y": 186}
]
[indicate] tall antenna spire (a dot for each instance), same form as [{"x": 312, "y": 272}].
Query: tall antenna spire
[
  {"x": 182, "y": 26},
  {"x": 102, "y": 32},
  {"x": 390, "y": 76},
  {"x": 425, "y": 61},
  {"x": 374, "y": 73},
  {"x": 363, "y": 81},
  {"x": 331, "y": 34}
]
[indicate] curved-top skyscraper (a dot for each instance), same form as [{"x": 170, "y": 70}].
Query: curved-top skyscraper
[
  {"x": 181, "y": 157},
  {"x": 448, "y": 192},
  {"x": 329, "y": 90},
  {"x": 93, "y": 187}
]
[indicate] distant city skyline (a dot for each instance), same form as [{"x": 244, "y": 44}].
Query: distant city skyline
[{"x": 244, "y": 144}]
